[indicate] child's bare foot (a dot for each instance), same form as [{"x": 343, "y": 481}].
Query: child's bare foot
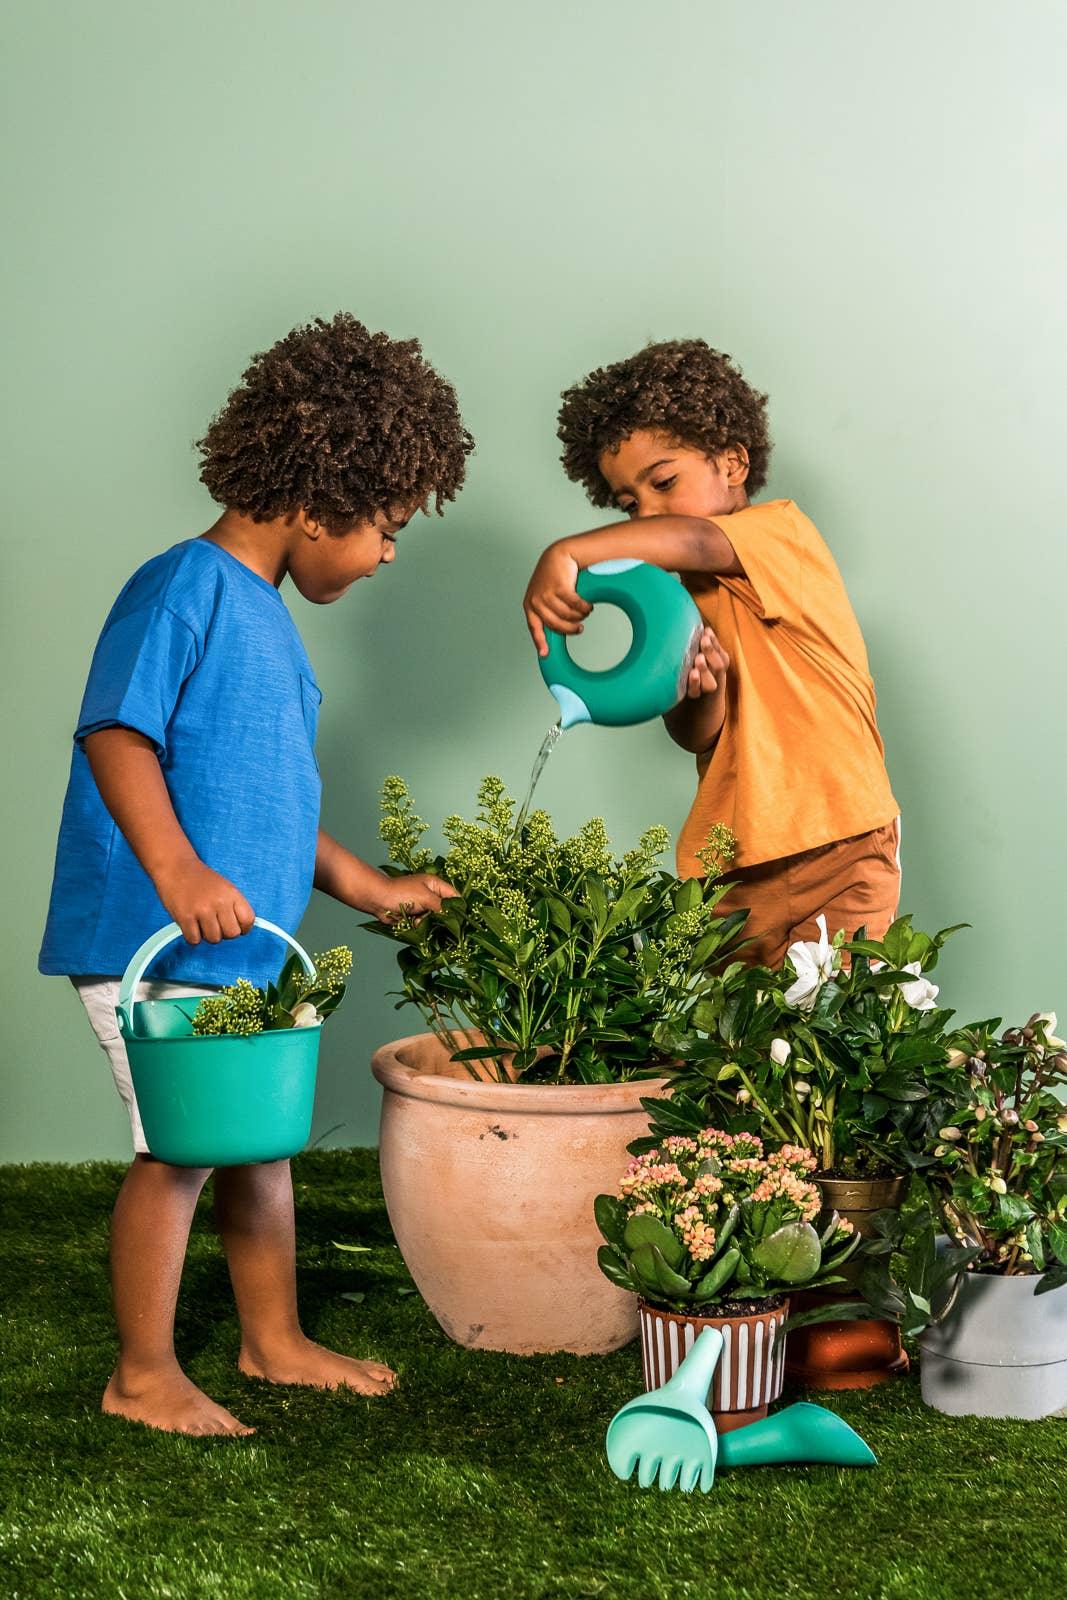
[
  {"x": 167, "y": 1400},
  {"x": 304, "y": 1361}
]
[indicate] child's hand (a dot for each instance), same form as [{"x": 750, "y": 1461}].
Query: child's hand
[
  {"x": 551, "y": 598},
  {"x": 710, "y": 666},
  {"x": 204, "y": 904},
  {"x": 411, "y": 896}
]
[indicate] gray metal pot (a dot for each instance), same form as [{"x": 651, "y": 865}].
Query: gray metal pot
[{"x": 1000, "y": 1352}]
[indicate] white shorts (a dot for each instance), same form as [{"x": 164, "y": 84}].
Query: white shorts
[{"x": 100, "y": 996}]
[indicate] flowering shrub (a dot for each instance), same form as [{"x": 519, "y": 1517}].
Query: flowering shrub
[
  {"x": 831, "y": 1056},
  {"x": 571, "y": 965},
  {"x": 998, "y": 1170},
  {"x": 709, "y": 1219},
  {"x": 295, "y": 1000}
]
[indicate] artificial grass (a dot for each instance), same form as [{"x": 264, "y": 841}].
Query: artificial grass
[{"x": 482, "y": 1477}]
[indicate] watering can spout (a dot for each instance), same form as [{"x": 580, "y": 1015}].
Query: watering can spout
[{"x": 573, "y": 708}]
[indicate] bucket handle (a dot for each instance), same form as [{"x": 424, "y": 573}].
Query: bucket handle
[{"x": 151, "y": 948}]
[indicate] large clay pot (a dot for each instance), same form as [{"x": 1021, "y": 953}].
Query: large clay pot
[
  {"x": 848, "y": 1355},
  {"x": 490, "y": 1189},
  {"x": 1001, "y": 1351},
  {"x": 750, "y": 1372}
]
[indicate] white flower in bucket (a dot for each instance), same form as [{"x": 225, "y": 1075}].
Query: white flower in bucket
[
  {"x": 815, "y": 962},
  {"x": 304, "y": 1015}
]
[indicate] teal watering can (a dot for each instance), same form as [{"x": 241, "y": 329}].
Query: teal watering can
[{"x": 650, "y": 679}]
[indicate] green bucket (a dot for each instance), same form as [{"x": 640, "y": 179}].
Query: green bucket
[{"x": 215, "y": 1101}]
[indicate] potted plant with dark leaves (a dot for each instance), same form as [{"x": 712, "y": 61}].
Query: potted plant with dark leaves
[
  {"x": 559, "y": 987},
  {"x": 833, "y": 1053},
  {"x": 997, "y": 1181},
  {"x": 707, "y": 1231}
]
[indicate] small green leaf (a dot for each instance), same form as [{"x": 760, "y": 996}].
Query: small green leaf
[
  {"x": 791, "y": 1254},
  {"x": 717, "y": 1275},
  {"x": 610, "y": 1214},
  {"x": 646, "y": 1229}
]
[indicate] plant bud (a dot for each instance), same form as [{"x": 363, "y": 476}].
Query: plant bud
[
  {"x": 742, "y": 1097},
  {"x": 780, "y": 1051},
  {"x": 1037, "y": 1138},
  {"x": 940, "y": 1149},
  {"x": 1008, "y": 1117},
  {"x": 949, "y": 1133},
  {"x": 1061, "y": 1123},
  {"x": 979, "y": 1113},
  {"x": 802, "y": 1089},
  {"x": 998, "y": 1185},
  {"x": 956, "y": 1058},
  {"x": 1030, "y": 1125}
]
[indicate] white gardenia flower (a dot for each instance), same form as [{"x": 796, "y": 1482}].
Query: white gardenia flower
[
  {"x": 815, "y": 963},
  {"x": 305, "y": 1016},
  {"x": 780, "y": 1051},
  {"x": 920, "y": 995}
]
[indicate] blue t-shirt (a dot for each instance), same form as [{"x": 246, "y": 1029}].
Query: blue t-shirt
[{"x": 200, "y": 655}]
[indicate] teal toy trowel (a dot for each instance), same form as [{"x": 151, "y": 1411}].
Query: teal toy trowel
[
  {"x": 650, "y": 679},
  {"x": 670, "y": 1433}
]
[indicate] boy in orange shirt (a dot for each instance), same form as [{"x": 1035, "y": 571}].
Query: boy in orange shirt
[{"x": 780, "y": 706}]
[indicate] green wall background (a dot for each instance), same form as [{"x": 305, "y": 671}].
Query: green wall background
[{"x": 863, "y": 203}]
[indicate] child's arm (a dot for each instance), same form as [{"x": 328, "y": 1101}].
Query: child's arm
[
  {"x": 679, "y": 544},
  {"x": 696, "y": 721},
  {"x": 203, "y": 903},
  {"x": 355, "y": 883}
]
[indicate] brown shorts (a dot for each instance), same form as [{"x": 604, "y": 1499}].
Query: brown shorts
[{"x": 855, "y": 882}]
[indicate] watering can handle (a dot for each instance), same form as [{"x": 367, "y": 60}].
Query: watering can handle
[{"x": 142, "y": 959}]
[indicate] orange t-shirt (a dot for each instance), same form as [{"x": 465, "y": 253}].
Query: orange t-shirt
[{"x": 799, "y": 762}]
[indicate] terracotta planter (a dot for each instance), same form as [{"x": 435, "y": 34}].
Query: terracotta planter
[
  {"x": 751, "y": 1369},
  {"x": 1000, "y": 1352},
  {"x": 490, "y": 1190},
  {"x": 849, "y": 1355}
]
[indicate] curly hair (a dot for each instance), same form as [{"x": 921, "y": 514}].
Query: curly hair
[
  {"x": 340, "y": 421},
  {"x": 681, "y": 388}
]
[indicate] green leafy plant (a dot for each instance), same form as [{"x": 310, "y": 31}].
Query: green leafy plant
[
  {"x": 830, "y": 1056},
  {"x": 294, "y": 1000},
  {"x": 995, "y": 1160},
  {"x": 910, "y": 1276},
  {"x": 706, "y": 1222},
  {"x": 556, "y": 961}
]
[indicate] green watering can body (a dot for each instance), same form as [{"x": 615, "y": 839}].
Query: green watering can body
[
  {"x": 215, "y": 1101},
  {"x": 650, "y": 679}
]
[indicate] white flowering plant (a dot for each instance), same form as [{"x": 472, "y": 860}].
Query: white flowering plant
[
  {"x": 709, "y": 1225},
  {"x": 995, "y": 1158},
  {"x": 294, "y": 1000},
  {"x": 556, "y": 961},
  {"x": 830, "y": 1053}
]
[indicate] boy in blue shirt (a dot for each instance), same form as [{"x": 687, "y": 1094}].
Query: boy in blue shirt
[{"x": 194, "y": 797}]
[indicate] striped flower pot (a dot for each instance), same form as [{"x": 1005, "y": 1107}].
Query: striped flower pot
[{"x": 751, "y": 1370}]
